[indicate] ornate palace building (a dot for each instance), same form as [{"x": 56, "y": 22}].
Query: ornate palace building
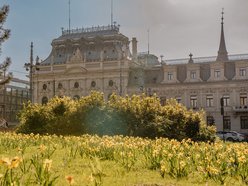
[{"x": 99, "y": 58}]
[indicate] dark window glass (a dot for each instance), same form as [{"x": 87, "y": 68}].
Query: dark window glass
[
  {"x": 111, "y": 83},
  {"x": 227, "y": 123},
  {"x": 44, "y": 100},
  {"x": 210, "y": 120},
  {"x": 44, "y": 86},
  {"x": 60, "y": 86},
  {"x": 76, "y": 85},
  {"x": 93, "y": 84},
  {"x": 244, "y": 122}
]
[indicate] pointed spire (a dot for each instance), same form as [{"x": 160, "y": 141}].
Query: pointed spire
[
  {"x": 31, "y": 53},
  {"x": 222, "y": 53},
  {"x": 190, "y": 58}
]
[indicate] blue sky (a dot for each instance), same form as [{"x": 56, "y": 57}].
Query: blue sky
[{"x": 177, "y": 27}]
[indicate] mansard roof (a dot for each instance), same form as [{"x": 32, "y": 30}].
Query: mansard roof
[
  {"x": 86, "y": 37},
  {"x": 235, "y": 57}
]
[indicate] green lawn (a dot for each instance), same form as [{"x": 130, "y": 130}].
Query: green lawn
[{"x": 121, "y": 161}]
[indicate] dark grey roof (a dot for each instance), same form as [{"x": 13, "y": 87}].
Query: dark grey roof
[{"x": 236, "y": 57}]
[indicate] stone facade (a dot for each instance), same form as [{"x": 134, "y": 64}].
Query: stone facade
[{"x": 99, "y": 58}]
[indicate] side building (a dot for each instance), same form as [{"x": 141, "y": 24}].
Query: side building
[{"x": 12, "y": 98}]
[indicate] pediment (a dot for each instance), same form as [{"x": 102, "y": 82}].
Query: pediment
[{"x": 77, "y": 57}]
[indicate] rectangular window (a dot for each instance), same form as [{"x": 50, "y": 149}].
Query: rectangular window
[
  {"x": 243, "y": 99},
  {"x": 226, "y": 123},
  {"x": 193, "y": 102},
  {"x": 209, "y": 101},
  {"x": 193, "y": 74},
  {"x": 242, "y": 72},
  {"x": 226, "y": 100},
  {"x": 210, "y": 120},
  {"x": 217, "y": 73},
  {"x": 244, "y": 122},
  {"x": 170, "y": 75}
]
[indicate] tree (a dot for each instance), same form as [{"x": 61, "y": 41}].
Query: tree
[{"x": 4, "y": 34}]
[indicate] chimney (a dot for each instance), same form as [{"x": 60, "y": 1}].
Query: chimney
[{"x": 134, "y": 47}]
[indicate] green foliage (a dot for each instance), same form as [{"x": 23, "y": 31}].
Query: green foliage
[
  {"x": 4, "y": 34},
  {"x": 137, "y": 115}
]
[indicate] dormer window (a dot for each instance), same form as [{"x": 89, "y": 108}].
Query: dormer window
[
  {"x": 193, "y": 74},
  {"x": 170, "y": 75},
  {"x": 242, "y": 72},
  {"x": 217, "y": 73}
]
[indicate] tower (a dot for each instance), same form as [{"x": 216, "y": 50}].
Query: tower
[{"x": 222, "y": 53}]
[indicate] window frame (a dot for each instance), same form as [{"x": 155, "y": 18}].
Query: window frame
[
  {"x": 243, "y": 122},
  {"x": 193, "y": 101},
  {"x": 226, "y": 123},
  {"x": 170, "y": 76}
]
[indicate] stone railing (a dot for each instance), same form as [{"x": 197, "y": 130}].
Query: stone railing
[{"x": 241, "y": 108}]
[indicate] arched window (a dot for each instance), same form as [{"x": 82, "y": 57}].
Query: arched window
[
  {"x": 93, "y": 84},
  {"x": 60, "y": 86},
  {"x": 76, "y": 85},
  {"x": 111, "y": 83},
  {"x": 44, "y": 100},
  {"x": 44, "y": 87}
]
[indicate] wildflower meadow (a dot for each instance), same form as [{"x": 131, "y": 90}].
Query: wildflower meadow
[{"x": 93, "y": 160}]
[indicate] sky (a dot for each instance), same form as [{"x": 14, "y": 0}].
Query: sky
[{"x": 176, "y": 27}]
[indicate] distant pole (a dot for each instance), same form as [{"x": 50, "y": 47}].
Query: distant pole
[
  {"x": 111, "y": 12},
  {"x": 120, "y": 78},
  {"x": 31, "y": 73},
  {"x": 148, "y": 38},
  {"x": 69, "y": 16}
]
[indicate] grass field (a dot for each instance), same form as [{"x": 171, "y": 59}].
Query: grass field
[{"x": 119, "y": 161}]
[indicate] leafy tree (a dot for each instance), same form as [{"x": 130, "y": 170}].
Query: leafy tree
[{"x": 4, "y": 34}]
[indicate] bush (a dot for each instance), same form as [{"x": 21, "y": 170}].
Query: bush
[{"x": 135, "y": 116}]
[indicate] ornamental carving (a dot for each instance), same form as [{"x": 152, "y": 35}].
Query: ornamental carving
[{"x": 77, "y": 57}]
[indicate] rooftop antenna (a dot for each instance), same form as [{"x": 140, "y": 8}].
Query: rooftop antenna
[
  {"x": 111, "y": 12},
  {"x": 69, "y": 16},
  {"x": 148, "y": 38}
]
